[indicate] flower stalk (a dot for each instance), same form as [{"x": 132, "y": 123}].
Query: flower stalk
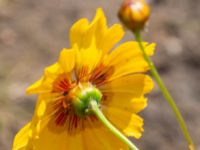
[
  {"x": 165, "y": 92},
  {"x": 94, "y": 107}
]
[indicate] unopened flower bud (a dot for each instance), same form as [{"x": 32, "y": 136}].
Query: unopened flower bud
[{"x": 134, "y": 14}]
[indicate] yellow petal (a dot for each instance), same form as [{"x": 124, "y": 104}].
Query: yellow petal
[
  {"x": 85, "y": 38},
  {"x": 45, "y": 84},
  {"x": 35, "y": 87},
  {"x": 128, "y": 59},
  {"x": 125, "y": 101},
  {"x": 105, "y": 138},
  {"x": 53, "y": 70},
  {"x": 39, "y": 136},
  {"x": 93, "y": 41},
  {"x": 91, "y": 143},
  {"x": 67, "y": 60},
  {"x": 46, "y": 138},
  {"x": 97, "y": 28},
  {"x": 130, "y": 123},
  {"x": 21, "y": 138},
  {"x": 76, "y": 143},
  {"x": 138, "y": 104},
  {"x": 54, "y": 139},
  {"x": 129, "y": 50},
  {"x": 111, "y": 37},
  {"x": 41, "y": 109},
  {"x": 82, "y": 33},
  {"x": 136, "y": 84},
  {"x": 78, "y": 31},
  {"x": 86, "y": 61}
]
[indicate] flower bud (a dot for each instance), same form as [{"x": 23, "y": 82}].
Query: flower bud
[
  {"x": 134, "y": 14},
  {"x": 83, "y": 94}
]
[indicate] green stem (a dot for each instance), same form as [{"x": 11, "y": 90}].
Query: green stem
[
  {"x": 165, "y": 92},
  {"x": 95, "y": 109}
]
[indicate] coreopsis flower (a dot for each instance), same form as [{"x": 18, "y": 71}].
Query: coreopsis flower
[{"x": 92, "y": 69}]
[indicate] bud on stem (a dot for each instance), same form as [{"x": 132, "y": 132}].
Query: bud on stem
[{"x": 134, "y": 14}]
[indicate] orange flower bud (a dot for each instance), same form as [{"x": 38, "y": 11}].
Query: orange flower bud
[{"x": 134, "y": 14}]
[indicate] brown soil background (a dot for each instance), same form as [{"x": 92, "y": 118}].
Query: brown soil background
[{"x": 33, "y": 31}]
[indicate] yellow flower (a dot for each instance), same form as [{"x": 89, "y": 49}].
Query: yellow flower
[{"x": 117, "y": 77}]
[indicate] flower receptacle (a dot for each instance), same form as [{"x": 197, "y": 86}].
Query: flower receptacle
[{"x": 83, "y": 94}]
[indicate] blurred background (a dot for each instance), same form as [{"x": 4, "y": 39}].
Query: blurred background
[{"x": 32, "y": 32}]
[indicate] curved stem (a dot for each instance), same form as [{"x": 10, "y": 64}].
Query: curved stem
[
  {"x": 95, "y": 109},
  {"x": 166, "y": 93}
]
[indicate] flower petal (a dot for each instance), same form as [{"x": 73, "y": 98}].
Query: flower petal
[
  {"x": 67, "y": 60},
  {"x": 130, "y": 123},
  {"x": 78, "y": 32},
  {"x": 112, "y": 36},
  {"x": 125, "y": 101},
  {"x": 93, "y": 41},
  {"x": 21, "y": 138},
  {"x": 35, "y": 87},
  {"x": 82, "y": 33},
  {"x": 45, "y": 84},
  {"x": 128, "y": 59},
  {"x": 86, "y": 61},
  {"x": 136, "y": 84},
  {"x": 54, "y": 141},
  {"x": 106, "y": 139}
]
